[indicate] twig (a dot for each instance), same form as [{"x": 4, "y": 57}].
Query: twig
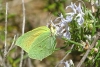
[
  {"x": 23, "y": 28},
  {"x": 64, "y": 57},
  {"x": 5, "y": 45},
  {"x": 11, "y": 45},
  {"x": 29, "y": 63},
  {"x": 5, "y": 50},
  {"x": 1, "y": 61},
  {"x": 87, "y": 52}
]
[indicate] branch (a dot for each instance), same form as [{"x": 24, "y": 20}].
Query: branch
[
  {"x": 23, "y": 28},
  {"x": 11, "y": 45},
  {"x": 5, "y": 45},
  {"x": 5, "y": 50},
  {"x": 87, "y": 52}
]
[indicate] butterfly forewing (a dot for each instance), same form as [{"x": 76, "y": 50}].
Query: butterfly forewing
[{"x": 25, "y": 41}]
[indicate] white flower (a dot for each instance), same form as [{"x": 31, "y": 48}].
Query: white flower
[
  {"x": 73, "y": 7},
  {"x": 67, "y": 35},
  {"x": 69, "y": 17},
  {"x": 61, "y": 28},
  {"x": 67, "y": 64},
  {"x": 76, "y": 10},
  {"x": 79, "y": 18}
]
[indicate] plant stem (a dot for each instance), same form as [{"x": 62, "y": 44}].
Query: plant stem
[{"x": 23, "y": 28}]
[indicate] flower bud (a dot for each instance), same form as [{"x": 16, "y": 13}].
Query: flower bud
[
  {"x": 95, "y": 49},
  {"x": 90, "y": 26}
]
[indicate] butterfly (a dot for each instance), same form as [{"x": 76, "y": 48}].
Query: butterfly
[{"x": 39, "y": 42}]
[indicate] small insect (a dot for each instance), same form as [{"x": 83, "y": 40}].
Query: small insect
[{"x": 39, "y": 42}]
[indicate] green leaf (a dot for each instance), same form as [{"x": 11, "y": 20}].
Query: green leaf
[{"x": 38, "y": 43}]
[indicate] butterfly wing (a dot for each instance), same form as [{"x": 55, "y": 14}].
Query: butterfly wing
[
  {"x": 25, "y": 41},
  {"x": 43, "y": 46}
]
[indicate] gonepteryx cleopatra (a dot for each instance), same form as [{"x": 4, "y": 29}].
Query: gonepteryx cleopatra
[{"x": 38, "y": 43}]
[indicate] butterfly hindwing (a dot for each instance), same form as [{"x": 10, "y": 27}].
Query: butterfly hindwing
[{"x": 43, "y": 46}]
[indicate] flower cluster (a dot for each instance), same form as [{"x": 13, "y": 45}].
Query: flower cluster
[{"x": 62, "y": 28}]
